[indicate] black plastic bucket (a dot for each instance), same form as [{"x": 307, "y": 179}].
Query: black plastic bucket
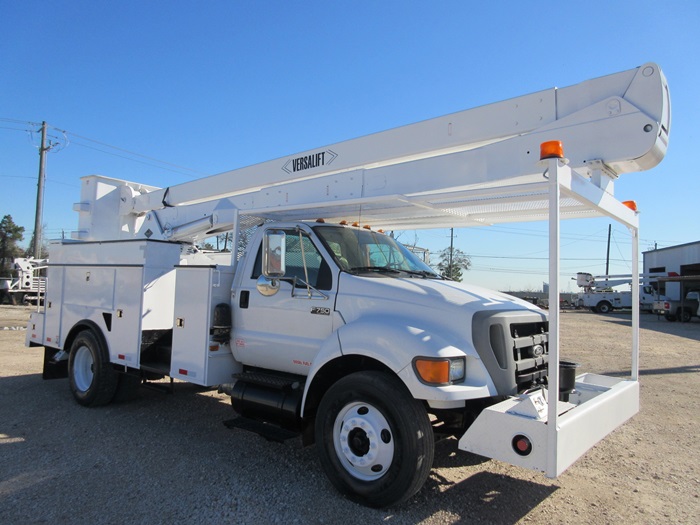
[{"x": 567, "y": 379}]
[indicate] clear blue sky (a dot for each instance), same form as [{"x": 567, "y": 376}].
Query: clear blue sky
[{"x": 212, "y": 86}]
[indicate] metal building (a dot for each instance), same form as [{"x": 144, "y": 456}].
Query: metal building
[{"x": 681, "y": 263}]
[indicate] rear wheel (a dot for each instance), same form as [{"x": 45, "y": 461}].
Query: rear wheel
[
  {"x": 604, "y": 307},
  {"x": 93, "y": 380},
  {"x": 686, "y": 316},
  {"x": 670, "y": 317},
  {"x": 375, "y": 442}
]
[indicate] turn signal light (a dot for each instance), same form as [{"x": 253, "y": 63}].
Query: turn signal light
[
  {"x": 440, "y": 371},
  {"x": 552, "y": 149},
  {"x": 431, "y": 371}
]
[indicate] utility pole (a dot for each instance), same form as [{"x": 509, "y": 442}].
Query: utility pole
[
  {"x": 40, "y": 193},
  {"x": 607, "y": 257}
]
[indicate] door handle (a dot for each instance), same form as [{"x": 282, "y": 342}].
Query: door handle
[{"x": 245, "y": 299}]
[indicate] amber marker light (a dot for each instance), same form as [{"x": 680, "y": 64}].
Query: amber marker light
[
  {"x": 432, "y": 371},
  {"x": 632, "y": 205},
  {"x": 552, "y": 149},
  {"x": 440, "y": 370}
]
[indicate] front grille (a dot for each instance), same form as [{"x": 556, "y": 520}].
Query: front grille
[{"x": 513, "y": 346}]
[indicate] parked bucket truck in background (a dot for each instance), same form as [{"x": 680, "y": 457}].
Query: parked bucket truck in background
[
  {"x": 599, "y": 297},
  {"x": 332, "y": 330},
  {"x": 29, "y": 284}
]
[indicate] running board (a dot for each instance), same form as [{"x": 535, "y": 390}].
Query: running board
[{"x": 265, "y": 430}]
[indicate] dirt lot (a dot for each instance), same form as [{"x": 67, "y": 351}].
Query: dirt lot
[{"x": 168, "y": 458}]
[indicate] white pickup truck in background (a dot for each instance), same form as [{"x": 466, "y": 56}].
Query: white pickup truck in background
[{"x": 683, "y": 310}]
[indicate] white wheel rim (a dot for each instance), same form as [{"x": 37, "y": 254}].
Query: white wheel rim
[
  {"x": 364, "y": 441},
  {"x": 83, "y": 368}
]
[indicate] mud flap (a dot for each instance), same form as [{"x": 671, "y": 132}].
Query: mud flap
[{"x": 55, "y": 366}]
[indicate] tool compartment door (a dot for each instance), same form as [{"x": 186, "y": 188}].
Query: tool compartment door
[{"x": 198, "y": 290}]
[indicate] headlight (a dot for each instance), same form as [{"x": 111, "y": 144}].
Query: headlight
[
  {"x": 457, "y": 370},
  {"x": 439, "y": 371}
]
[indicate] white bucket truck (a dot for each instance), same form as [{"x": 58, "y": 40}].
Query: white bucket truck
[
  {"x": 598, "y": 294},
  {"x": 336, "y": 332}
]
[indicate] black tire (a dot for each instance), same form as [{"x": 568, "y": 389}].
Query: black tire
[
  {"x": 93, "y": 380},
  {"x": 670, "y": 317},
  {"x": 379, "y": 422},
  {"x": 685, "y": 315},
  {"x": 604, "y": 307}
]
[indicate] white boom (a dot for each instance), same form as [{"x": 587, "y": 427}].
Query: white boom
[{"x": 448, "y": 171}]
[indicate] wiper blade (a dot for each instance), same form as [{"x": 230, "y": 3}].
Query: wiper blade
[
  {"x": 383, "y": 269},
  {"x": 423, "y": 273}
]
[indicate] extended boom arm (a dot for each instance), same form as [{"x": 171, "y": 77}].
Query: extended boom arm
[{"x": 441, "y": 172}]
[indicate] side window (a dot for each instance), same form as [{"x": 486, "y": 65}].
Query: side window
[
  {"x": 317, "y": 268},
  {"x": 300, "y": 250}
]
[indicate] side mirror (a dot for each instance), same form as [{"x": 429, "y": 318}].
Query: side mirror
[{"x": 273, "y": 252}]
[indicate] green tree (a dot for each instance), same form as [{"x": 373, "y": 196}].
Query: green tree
[
  {"x": 10, "y": 235},
  {"x": 452, "y": 262}
]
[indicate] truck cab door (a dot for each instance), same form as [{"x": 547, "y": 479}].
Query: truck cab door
[{"x": 284, "y": 331}]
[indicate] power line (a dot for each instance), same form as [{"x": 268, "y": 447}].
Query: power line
[
  {"x": 16, "y": 121},
  {"x": 34, "y": 178},
  {"x": 65, "y": 140},
  {"x": 130, "y": 152},
  {"x": 24, "y": 130},
  {"x": 536, "y": 258},
  {"x": 573, "y": 237},
  {"x": 131, "y": 159}
]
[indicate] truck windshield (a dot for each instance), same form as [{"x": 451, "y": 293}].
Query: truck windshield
[{"x": 363, "y": 251}]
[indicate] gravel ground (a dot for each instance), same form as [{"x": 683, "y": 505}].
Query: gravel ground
[{"x": 169, "y": 459}]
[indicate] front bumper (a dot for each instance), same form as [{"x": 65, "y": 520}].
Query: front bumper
[{"x": 598, "y": 405}]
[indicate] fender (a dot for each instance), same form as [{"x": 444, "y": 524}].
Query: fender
[
  {"x": 330, "y": 350},
  {"x": 394, "y": 342}
]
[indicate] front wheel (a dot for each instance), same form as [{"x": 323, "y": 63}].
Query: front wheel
[
  {"x": 375, "y": 442},
  {"x": 93, "y": 380}
]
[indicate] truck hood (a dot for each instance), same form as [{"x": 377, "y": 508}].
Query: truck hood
[{"x": 418, "y": 297}]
